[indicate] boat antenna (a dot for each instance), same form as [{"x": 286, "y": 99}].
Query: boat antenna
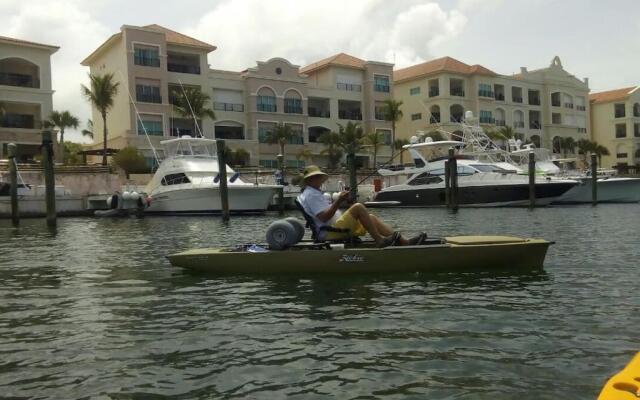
[
  {"x": 144, "y": 128},
  {"x": 184, "y": 92}
]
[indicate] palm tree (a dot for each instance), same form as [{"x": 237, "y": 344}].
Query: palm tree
[
  {"x": 397, "y": 144},
  {"x": 393, "y": 114},
  {"x": 89, "y": 131},
  {"x": 62, "y": 120},
  {"x": 374, "y": 141},
  {"x": 567, "y": 144},
  {"x": 304, "y": 154},
  {"x": 331, "y": 141},
  {"x": 241, "y": 156},
  {"x": 192, "y": 103},
  {"x": 600, "y": 151},
  {"x": 281, "y": 134},
  {"x": 351, "y": 138},
  {"x": 103, "y": 90}
]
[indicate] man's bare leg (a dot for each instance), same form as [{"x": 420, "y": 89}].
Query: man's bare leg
[{"x": 359, "y": 212}]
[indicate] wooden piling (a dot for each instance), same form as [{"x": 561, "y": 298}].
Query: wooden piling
[
  {"x": 13, "y": 180},
  {"x": 594, "y": 179},
  {"x": 222, "y": 175},
  {"x": 280, "y": 158},
  {"x": 453, "y": 177},
  {"x": 49, "y": 178},
  {"x": 532, "y": 179},
  {"x": 447, "y": 185}
]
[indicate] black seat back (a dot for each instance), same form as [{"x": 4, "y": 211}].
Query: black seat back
[{"x": 311, "y": 224}]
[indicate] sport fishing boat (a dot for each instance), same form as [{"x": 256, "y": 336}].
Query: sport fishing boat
[
  {"x": 186, "y": 182},
  {"x": 480, "y": 184}
]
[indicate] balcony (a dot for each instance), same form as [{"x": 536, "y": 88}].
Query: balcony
[
  {"x": 499, "y": 96},
  {"x": 267, "y": 107},
  {"x": 184, "y": 69},
  {"x": 456, "y": 118},
  {"x": 534, "y": 101},
  {"x": 516, "y": 99},
  {"x": 350, "y": 114},
  {"x": 381, "y": 88},
  {"x": 20, "y": 80},
  {"x": 485, "y": 93},
  {"x": 487, "y": 120},
  {"x": 636, "y": 130},
  {"x": 580, "y": 108},
  {"x": 582, "y": 130},
  {"x": 568, "y": 105},
  {"x": 435, "y": 118},
  {"x": 457, "y": 92},
  {"x": 219, "y": 106},
  {"x": 146, "y": 61},
  {"x": 500, "y": 122},
  {"x": 19, "y": 121},
  {"x": 518, "y": 124},
  {"x": 534, "y": 125},
  {"x": 183, "y": 63},
  {"x": 434, "y": 91},
  {"x": 555, "y": 103},
  {"x": 379, "y": 114},
  {"x": 318, "y": 113},
  {"x": 349, "y": 87},
  {"x": 149, "y": 98},
  {"x": 293, "y": 106}
]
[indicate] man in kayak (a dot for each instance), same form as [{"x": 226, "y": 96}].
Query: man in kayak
[{"x": 356, "y": 219}]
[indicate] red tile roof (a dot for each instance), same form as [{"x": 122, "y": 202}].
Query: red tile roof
[
  {"x": 611, "y": 95},
  {"x": 340, "y": 59},
  {"x": 179, "y": 38},
  {"x": 444, "y": 64}
]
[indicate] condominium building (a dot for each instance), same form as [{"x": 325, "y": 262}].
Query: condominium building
[
  {"x": 615, "y": 121},
  {"x": 153, "y": 63},
  {"x": 541, "y": 105},
  {"x": 25, "y": 94}
]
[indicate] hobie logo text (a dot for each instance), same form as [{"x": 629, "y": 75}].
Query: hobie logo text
[{"x": 351, "y": 258}]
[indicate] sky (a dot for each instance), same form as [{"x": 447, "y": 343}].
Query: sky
[{"x": 594, "y": 38}]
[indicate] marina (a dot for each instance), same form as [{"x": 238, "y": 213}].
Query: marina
[{"x": 97, "y": 298}]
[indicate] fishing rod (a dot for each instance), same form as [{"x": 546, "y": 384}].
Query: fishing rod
[{"x": 383, "y": 165}]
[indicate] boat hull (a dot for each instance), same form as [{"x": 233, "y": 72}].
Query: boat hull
[
  {"x": 477, "y": 196},
  {"x": 457, "y": 254},
  {"x": 242, "y": 199},
  {"x": 611, "y": 190}
]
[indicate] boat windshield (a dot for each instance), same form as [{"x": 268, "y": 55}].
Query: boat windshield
[
  {"x": 190, "y": 148},
  {"x": 488, "y": 168}
]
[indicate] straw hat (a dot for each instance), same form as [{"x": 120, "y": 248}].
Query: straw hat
[{"x": 312, "y": 170}]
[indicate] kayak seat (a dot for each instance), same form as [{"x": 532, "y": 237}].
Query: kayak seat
[{"x": 312, "y": 226}]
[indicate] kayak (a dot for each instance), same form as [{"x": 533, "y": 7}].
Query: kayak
[
  {"x": 625, "y": 384},
  {"x": 443, "y": 254}
]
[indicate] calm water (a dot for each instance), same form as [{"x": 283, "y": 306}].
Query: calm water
[{"x": 94, "y": 310}]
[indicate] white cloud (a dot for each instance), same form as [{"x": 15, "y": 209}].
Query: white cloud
[
  {"x": 251, "y": 30},
  {"x": 62, "y": 23}
]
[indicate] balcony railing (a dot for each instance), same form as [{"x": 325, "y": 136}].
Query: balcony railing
[
  {"x": 456, "y": 118},
  {"x": 485, "y": 93},
  {"x": 621, "y": 133},
  {"x": 347, "y": 114},
  {"x": 149, "y": 98},
  {"x": 183, "y": 68},
  {"x": 350, "y": 87},
  {"x": 518, "y": 124},
  {"x": 228, "y": 107},
  {"x": 555, "y": 103},
  {"x": 20, "y": 80},
  {"x": 381, "y": 88},
  {"x": 434, "y": 91},
  {"x": 568, "y": 105},
  {"x": 435, "y": 118},
  {"x": 581, "y": 108},
  {"x": 487, "y": 120},
  {"x": 499, "y": 96},
  {"x": 534, "y": 101},
  {"x": 517, "y": 99},
  {"x": 620, "y": 114},
  {"x": 534, "y": 125},
  {"x": 582, "y": 130},
  {"x": 146, "y": 61},
  {"x": 20, "y": 121},
  {"x": 636, "y": 130},
  {"x": 379, "y": 115},
  {"x": 267, "y": 107},
  {"x": 318, "y": 113},
  {"x": 292, "y": 109},
  {"x": 457, "y": 92},
  {"x": 500, "y": 122}
]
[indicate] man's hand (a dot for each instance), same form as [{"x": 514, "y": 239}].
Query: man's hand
[{"x": 344, "y": 196}]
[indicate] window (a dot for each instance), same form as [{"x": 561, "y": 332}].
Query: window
[
  {"x": 268, "y": 163},
  {"x": 414, "y": 91},
  {"x": 484, "y": 90},
  {"x": 456, "y": 87},
  {"x": 621, "y": 155},
  {"x": 434, "y": 88},
  {"x": 556, "y": 118},
  {"x": 534, "y": 97},
  {"x": 416, "y": 116},
  {"x": 386, "y": 136},
  {"x": 636, "y": 130},
  {"x": 555, "y": 99},
  {"x": 183, "y": 63},
  {"x": 619, "y": 110},
  {"x": 488, "y": 168},
  {"x": 516, "y": 94},
  {"x": 425, "y": 179},
  {"x": 146, "y": 56},
  {"x": 175, "y": 179},
  {"x": 266, "y": 103},
  {"x": 486, "y": 117},
  {"x": 296, "y": 164},
  {"x": 264, "y": 129},
  {"x": 151, "y": 123},
  {"x": 381, "y": 83},
  {"x": 229, "y": 132},
  {"x": 379, "y": 111},
  {"x": 350, "y": 87},
  {"x": 147, "y": 93},
  {"x": 292, "y": 106},
  {"x": 621, "y": 130}
]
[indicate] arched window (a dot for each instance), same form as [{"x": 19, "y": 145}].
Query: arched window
[
  {"x": 556, "y": 99},
  {"x": 557, "y": 145},
  {"x": 435, "y": 114},
  {"x": 19, "y": 72},
  {"x": 315, "y": 132},
  {"x": 266, "y": 100},
  {"x": 500, "y": 117},
  {"x": 535, "y": 139},
  {"x": 457, "y": 113},
  {"x": 292, "y": 102}
]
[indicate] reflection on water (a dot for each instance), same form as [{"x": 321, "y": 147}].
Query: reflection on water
[{"x": 94, "y": 309}]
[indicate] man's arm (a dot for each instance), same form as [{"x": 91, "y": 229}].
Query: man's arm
[{"x": 328, "y": 213}]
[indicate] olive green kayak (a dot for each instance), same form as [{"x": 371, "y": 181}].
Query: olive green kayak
[{"x": 448, "y": 254}]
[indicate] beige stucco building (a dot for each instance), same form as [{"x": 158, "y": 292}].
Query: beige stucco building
[
  {"x": 25, "y": 94},
  {"x": 153, "y": 62},
  {"x": 615, "y": 121},
  {"x": 541, "y": 105}
]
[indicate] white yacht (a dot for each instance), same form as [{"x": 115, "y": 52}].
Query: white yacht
[
  {"x": 186, "y": 182},
  {"x": 480, "y": 184}
]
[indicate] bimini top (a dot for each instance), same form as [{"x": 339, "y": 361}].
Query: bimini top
[{"x": 188, "y": 146}]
